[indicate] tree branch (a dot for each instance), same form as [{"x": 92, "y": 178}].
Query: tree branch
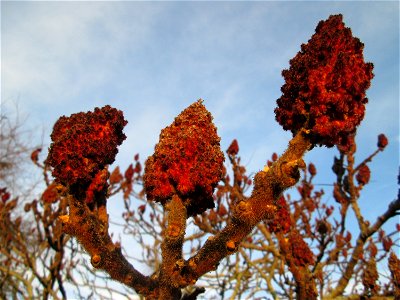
[
  {"x": 269, "y": 184},
  {"x": 392, "y": 210},
  {"x": 91, "y": 230}
]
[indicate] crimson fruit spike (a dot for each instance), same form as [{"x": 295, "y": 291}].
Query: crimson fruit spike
[
  {"x": 187, "y": 161},
  {"x": 84, "y": 143},
  {"x": 325, "y": 86}
]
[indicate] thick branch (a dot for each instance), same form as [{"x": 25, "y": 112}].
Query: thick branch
[
  {"x": 269, "y": 184},
  {"x": 91, "y": 230},
  {"x": 172, "y": 249}
]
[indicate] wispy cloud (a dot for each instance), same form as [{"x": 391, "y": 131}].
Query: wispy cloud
[{"x": 152, "y": 59}]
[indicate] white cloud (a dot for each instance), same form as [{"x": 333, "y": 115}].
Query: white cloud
[{"x": 57, "y": 50}]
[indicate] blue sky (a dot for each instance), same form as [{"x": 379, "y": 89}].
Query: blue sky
[{"x": 153, "y": 59}]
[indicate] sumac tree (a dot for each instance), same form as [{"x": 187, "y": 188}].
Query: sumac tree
[{"x": 204, "y": 224}]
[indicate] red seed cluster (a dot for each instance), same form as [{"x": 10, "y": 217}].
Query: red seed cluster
[
  {"x": 325, "y": 86},
  {"x": 84, "y": 143},
  {"x": 187, "y": 161},
  {"x": 97, "y": 186},
  {"x": 394, "y": 267},
  {"x": 301, "y": 253},
  {"x": 370, "y": 277},
  {"x": 281, "y": 221}
]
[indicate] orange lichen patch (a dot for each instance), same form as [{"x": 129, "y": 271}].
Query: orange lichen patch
[
  {"x": 85, "y": 143},
  {"x": 96, "y": 259},
  {"x": 325, "y": 86},
  {"x": 174, "y": 230},
  {"x": 64, "y": 219},
  {"x": 230, "y": 245},
  {"x": 187, "y": 161}
]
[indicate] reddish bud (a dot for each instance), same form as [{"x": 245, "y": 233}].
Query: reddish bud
[
  {"x": 187, "y": 161},
  {"x": 35, "y": 155},
  {"x": 363, "y": 175},
  {"x": 339, "y": 241},
  {"x": 50, "y": 195},
  {"x": 348, "y": 237},
  {"x": 27, "y": 207},
  {"x": 329, "y": 211},
  {"x": 312, "y": 169},
  {"x": 142, "y": 208},
  {"x": 136, "y": 157},
  {"x": 381, "y": 235},
  {"x": 338, "y": 195},
  {"x": 4, "y": 195},
  {"x": 138, "y": 167},
  {"x": 325, "y": 86},
  {"x": 222, "y": 211},
  {"x": 129, "y": 173},
  {"x": 274, "y": 157},
  {"x": 116, "y": 176},
  {"x": 323, "y": 227},
  {"x": 345, "y": 253},
  {"x": 373, "y": 250},
  {"x": 233, "y": 148},
  {"x": 382, "y": 141},
  {"x": 387, "y": 243}
]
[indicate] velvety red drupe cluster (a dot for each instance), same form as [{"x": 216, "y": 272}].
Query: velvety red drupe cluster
[
  {"x": 187, "y": 161},
  {"x": 281, "y": 221},
  {"x": 84, "y": 143},
  {"x": 301, "y": 253},
  {"x": 325, "y": 86}
]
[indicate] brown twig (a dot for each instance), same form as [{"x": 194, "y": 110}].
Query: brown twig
[{"x": 392, "y": 210}]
